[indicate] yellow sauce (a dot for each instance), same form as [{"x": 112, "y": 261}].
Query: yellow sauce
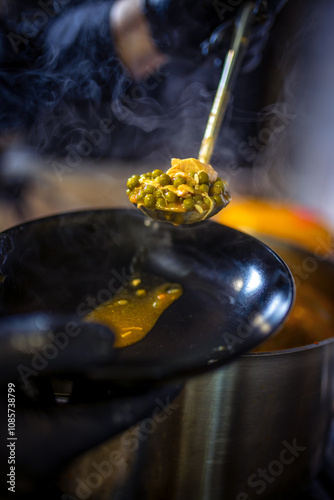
[{"x": 133, "y": 312}]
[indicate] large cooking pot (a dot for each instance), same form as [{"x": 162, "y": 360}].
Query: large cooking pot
[{"x": 254, "y": 429}]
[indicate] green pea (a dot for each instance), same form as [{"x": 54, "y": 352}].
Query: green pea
[
  {"x": 171, "y": 197},
  {"x": 188, "y": 203},
  {"x": 192, "y": 174},
  {"x": 156, "y": 173},
  {"x": 203, "y": 178},
  {"x": 178, "y": 181},
  {"x": 215, "y": 190},
  {"x": 148, "y": 175},
  {"x": 149, "y": 189},
  {"x": 221, "y": 184},
  {"x": 164, "y": 180},
  {"x": 128, "y": 191},
  {"x": 204, "y": 188},
  {"x": 160, "y": 203},
  {"x": 149, "y": 201},
  {"x": 197, "y": 198},
  {"x": 140, "y": 196},
  {"x": 158, "y": 193},
  {"x": 218, "y": 200},
  {"x": 133, "y": 182}
]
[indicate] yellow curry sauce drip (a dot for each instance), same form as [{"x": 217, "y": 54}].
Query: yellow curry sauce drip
[{"x": 133, "y": 312}]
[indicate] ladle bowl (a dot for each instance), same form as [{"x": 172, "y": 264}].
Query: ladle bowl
[
  {"x": 237, "y": 291},
  {"x": 191, "y": 217}
]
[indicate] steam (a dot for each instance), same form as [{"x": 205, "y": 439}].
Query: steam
[
  {"x": 62, "y": 93},
  {"x": 76, "y": 64},
  {"x": 66, "y": 93}
]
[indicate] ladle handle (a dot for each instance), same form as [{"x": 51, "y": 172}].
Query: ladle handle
[{"x": 231, "y": 66}]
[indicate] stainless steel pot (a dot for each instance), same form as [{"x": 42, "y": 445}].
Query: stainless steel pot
[{"x": 254, "y": 429}]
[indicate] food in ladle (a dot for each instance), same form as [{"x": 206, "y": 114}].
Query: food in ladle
[
  {"x": 133, "y": 312},
  {"x": 190, "y": 191}
]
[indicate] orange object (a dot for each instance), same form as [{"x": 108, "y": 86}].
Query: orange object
[{"x": 285, "y": 221}]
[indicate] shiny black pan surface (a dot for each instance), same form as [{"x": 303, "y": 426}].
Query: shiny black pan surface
[{"x": 237, "y": 291}]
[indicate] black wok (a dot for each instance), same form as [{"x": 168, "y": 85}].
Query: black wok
[{"x": 237, "y": 291}]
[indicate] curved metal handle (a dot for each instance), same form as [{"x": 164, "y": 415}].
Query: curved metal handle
[{"x": 231, "y": 67}]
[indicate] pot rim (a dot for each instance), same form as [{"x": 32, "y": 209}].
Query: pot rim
[
  {"x": 271, "y": 240},
  {"x": 308, "y": 347}
]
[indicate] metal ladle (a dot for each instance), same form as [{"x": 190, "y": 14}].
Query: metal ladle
[
  {"x": 231, "y": 67},
  {"x": 230, "y": 70}
]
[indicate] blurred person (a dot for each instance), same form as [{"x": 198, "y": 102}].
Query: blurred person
[{"x": 146, "y": 69}]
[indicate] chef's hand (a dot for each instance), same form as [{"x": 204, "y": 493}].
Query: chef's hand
[
  {"x": 265, "y": 13},
  {"x": 148, "y": 32},
  {"x": 179, "y": 28},
  {"x": 188, "y": 28},
  {"x": 34, "y": 350}
]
